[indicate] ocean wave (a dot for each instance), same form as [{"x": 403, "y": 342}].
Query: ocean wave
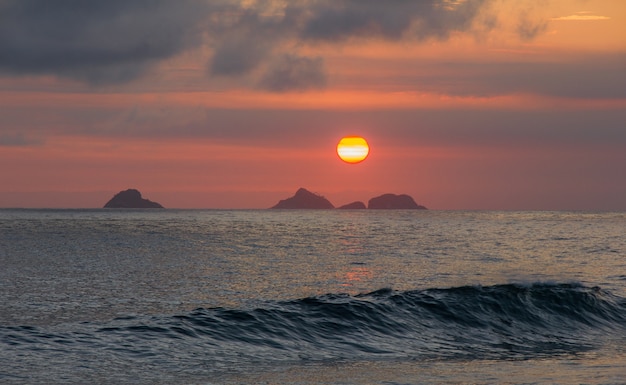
[
  {"x": 471, "y": 321},
  {"x": 509, "y": 321}
]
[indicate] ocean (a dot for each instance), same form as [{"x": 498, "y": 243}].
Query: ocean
[{"x": 312, "y": 297}]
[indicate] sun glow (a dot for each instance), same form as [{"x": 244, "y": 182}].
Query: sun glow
[{"x": 353, "y": 149}]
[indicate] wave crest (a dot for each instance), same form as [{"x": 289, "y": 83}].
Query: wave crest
[{"x": 470, "y": 322}]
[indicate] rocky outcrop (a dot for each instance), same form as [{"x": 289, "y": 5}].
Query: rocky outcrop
[
  {"x": 393, "y": 201},
  {"x": 131, "y": 199},
  {"x": 304, "y": 199},
  {"x": 358, "y": 205}
]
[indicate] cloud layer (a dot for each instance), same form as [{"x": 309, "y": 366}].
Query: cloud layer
[
  {"x": 95, "y": 41},
  {"x": 273, "y": 45},
  {"x": 118, "y": 40}
]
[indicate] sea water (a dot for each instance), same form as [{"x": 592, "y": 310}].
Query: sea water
[{"x": 312, "y": 297}]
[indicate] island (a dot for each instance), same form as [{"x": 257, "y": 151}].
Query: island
[
  {"x": 358, "y": 205},
  {"x": 130, "y": 199},
  {"x": 393, "y": 201},
  {"x": 304, "y": 199}
]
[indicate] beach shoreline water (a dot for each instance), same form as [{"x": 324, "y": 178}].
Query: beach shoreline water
[{"x": 310, "y": 297}]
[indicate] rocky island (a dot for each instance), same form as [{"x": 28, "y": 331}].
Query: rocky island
[
  {"x": 393, "y": 201},
  {"x": 358, "y": 205},
  {"x": 130, "y": 199},
  {"x": 304, "y": 199}
]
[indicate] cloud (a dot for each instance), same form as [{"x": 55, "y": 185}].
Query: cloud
[
  {"x": 97, "y": 42},
  {"x": 256, "y": 42},
  {"x": 265, "y": 44},
  {"x": 589, "y": 76},
  {"x": 581, "y": 16},
  {"x": 528, "y": 29},
  {"x": 116, "y": 41},
  {"x": 238, "y": 56},
  {"x": 18, "y": 140},
  {"x": 291, "y": 72},
  {"x": 392, "y": 19}
]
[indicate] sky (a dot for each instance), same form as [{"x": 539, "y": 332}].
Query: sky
[{"x": 466, "y": 104}]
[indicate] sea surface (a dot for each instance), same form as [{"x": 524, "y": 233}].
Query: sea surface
[{"x": 312, "y": 297}]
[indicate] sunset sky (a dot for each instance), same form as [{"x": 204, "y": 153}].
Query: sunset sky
[{"x": 466, "y": 104}]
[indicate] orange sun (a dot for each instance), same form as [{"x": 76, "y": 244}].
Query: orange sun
[{"x": 353, "y": 149}]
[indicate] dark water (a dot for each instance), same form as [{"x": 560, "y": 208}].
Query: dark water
[{"x": 92, "y": 296}]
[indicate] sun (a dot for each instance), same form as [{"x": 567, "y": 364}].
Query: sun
[{"x": 353, "y": 149}]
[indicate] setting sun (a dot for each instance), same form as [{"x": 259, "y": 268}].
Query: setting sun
[{"x": 353, "y": 149}]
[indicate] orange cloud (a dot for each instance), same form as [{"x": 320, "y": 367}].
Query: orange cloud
[{"x": 581, "y": 16}]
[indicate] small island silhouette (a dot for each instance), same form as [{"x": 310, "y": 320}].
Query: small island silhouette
[
  {"x": 131, "y": 199},
  {"x": 393, "y": 201},
  {"x": 358, "y": 205},
  {"x": 304, "y": 199}
]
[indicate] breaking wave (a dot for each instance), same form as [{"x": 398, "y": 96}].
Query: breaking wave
[{"x": 471, "y": 322}]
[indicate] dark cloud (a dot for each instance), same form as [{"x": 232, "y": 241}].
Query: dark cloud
[
  {"x": 291, "y": 72},
  {"x": 115, "y": 41},
  {"x": 253, "y": 40},
  {"x": 118, "y": 40},
  {"x": 95, "y": 41},
  {"x": 342, "y": 19},
  {"x": 18, "y": 140},
  {"x": 238, "y": 56},
  {"x": 391, "y": 19},
  {"x": 528, "y": 29}
]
